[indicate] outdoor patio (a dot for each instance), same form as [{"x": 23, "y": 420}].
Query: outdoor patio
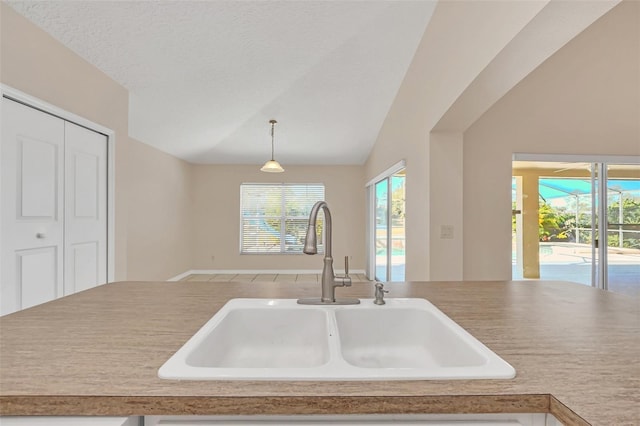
[{"x": 572, "y": 262}]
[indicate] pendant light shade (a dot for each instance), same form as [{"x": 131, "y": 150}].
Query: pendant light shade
[{"x": 272, "y": 166}]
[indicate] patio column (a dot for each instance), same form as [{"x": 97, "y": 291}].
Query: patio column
[{"x": 530, "y": 224}]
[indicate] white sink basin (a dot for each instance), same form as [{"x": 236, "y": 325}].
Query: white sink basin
[
  {"x": 264, "y": 338},
  {"x": 278, "y": 339},
  {"x": 405, "y": 338}
]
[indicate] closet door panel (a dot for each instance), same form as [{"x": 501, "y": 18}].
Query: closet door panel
[
  {"x": 31, "y": 224},
  {"x": 83, "y": 261},
  {"x": 37, "y": 179},
  {"x": 36, "y": 275},
  {"x": 85, "y": 208}
]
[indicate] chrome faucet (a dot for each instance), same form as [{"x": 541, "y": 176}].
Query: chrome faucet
[{"x": 329, "y": 279}]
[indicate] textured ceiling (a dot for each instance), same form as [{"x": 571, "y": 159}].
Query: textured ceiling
[{"x": 205, "y": 77}]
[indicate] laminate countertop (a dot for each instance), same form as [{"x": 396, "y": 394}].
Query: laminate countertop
[{"x": 576, "y": 351}]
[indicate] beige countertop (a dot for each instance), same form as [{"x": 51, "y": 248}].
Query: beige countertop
[{"x": 576, "y": 351}]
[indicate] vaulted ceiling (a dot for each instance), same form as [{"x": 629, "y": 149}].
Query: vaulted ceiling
[{"x": 205, "y": 77}]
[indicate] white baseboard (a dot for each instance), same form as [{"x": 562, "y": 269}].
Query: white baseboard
[
  {"x": 181, "y": 276},
  {"x": 256, "y": 271}
]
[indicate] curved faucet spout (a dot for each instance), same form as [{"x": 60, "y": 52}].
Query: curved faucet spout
[{"x": 311, "y": 241}]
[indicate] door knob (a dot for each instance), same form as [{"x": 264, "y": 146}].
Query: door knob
[{"x": 41, "y": 235}]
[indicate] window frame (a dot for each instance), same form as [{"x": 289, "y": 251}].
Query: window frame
[{"x": 282, "y": 218}]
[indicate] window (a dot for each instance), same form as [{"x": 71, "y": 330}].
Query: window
[{"x": 274, "y": 217}]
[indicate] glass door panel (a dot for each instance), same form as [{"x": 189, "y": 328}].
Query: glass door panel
[
  {"x": 397, "y": 227},
  {"x": 381, "y": 229},
  {"x": 623, "y": 229},
  {"x": 389, "y": 230},
  {"x": 553, "y": 221}
]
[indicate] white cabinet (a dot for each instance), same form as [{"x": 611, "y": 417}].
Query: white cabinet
[
  {"x": 69, "y": 421},
  {"x": 529, "y": 419}
]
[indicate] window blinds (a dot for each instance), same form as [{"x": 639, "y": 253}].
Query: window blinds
[{"x": 274, "y": 217}]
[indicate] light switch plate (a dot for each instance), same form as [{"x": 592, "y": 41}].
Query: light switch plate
[{"x": 446, "y": 232}]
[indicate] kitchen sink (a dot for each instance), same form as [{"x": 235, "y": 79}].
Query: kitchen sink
[{"x": 278, "y": 339}]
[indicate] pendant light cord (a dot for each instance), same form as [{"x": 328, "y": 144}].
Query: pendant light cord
[{"x": 272, "y": 125}]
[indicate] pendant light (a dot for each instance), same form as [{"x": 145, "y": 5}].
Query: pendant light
[{"x": 272, "y": 166}]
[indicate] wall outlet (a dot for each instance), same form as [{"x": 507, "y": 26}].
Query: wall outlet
[
  {"x": 213, "y": 258},
  {"x": 446, "y": 232}
]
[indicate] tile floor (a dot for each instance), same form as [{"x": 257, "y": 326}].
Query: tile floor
[{"x": 292, "y": 278}]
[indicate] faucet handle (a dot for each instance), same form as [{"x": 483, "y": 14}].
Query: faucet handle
[{"x": 346, "y": 280}]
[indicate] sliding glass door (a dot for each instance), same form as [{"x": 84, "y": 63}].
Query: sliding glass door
[
  {"x": 623, "y": 228},
  {"x": 577, "y": 221},
  {"x": 382, "y": 231},
  {"x": 387, "y": 227}
]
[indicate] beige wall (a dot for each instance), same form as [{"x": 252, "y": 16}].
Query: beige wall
[
  {"x": 446, "y": 203},
  {"x": 583, "y": 100},
  {"x": 159, "y": 240},
  {"x": 150, "y": 207},
  {"x": 461, "y": 39},
  {"x": 217, "y": 216}
]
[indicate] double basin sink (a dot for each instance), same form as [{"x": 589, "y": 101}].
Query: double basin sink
[{"x": 278, "y": 339}]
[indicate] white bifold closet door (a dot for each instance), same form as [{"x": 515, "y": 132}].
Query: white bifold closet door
[
  {"x": 85, "y": 209},
  {"x": 53, "y": 207}
]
